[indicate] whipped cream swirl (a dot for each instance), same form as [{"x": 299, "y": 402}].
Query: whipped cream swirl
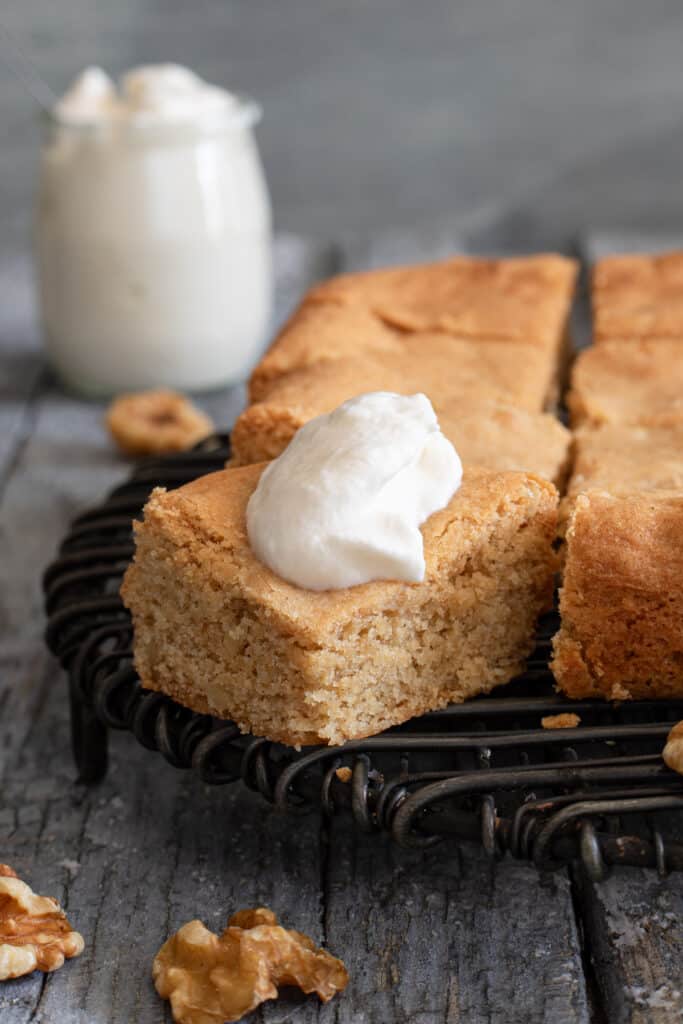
[{"x": 344, "y": 502}]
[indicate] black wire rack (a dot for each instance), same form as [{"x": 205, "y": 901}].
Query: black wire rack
[{"x": 485, "y": 771}]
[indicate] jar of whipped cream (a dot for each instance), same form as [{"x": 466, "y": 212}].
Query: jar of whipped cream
[{"x": 153, "y": 234}]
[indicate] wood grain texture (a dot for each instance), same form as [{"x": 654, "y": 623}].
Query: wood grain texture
[
  {"x": 634, "y": 928},
  {"x": 445, "y": 935}
]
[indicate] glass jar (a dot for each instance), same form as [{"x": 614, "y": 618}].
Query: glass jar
[{"x": 154, "y": 252}]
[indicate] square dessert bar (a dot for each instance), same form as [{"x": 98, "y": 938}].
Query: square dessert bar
[
  {"x": 219, "y": 632},
  {"x": 450, "y": 371},
  {"x": 622, "y": 598},
  {"x": 623, "y": 459},
  {"x": 638, "y": 383},
  {"x": 486, "y": 429},
  {"x": 638, "y": 297},
  {"x": 526, "y": 298},
  {"x": 524, "y": 301}
]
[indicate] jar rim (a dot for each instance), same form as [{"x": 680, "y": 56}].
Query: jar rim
[{"x": 246, "y": 113}]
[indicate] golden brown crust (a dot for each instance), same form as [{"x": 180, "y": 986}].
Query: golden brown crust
[
  {"x": 217, "y": 630},
  {"x": 638, "y": 296},
  {"x": 521, "y": 299},
  {"x": 638, "y": 383},
  {"x": 622, "y": 598},
  {"x": 623, "y": 459},
  {"x": 316, "y": 333}
]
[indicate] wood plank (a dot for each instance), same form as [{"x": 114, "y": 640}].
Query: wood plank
[
  {"x": 445, "y": 935},
  {"x": 21, "y": 365},
  {"x": 634, "y": 932}
]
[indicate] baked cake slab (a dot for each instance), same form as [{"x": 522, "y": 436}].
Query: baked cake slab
[
  {"x": 638, "y": 383},
  {"x": 638, "y": 297},
  {"x": 219, "y": 632}
]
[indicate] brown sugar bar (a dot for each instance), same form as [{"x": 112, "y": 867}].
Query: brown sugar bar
[
  {"x": 638, "y": 383},
  {"x": 520, "y": 301},
  {"x": 638, "y": 297},
  {"x": 219, "y": 632},
  {"x": 623, "y": 459},
  {"x": 525, "y": 298},
  {"x": 448, "y": 370},
  {"x": 621, "y": 601},
  {"x": 485, "y": 429}
]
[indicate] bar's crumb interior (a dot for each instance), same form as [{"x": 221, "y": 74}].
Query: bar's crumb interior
[
  {"x": 621, "y": 601},
  {"x": 219, "y": 632}
]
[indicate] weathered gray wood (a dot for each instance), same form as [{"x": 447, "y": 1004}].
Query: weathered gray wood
[
  {"x": 444, "y": 935},
  {"x": 634, "y": 930},
  {"x": 21, "y": 365}
]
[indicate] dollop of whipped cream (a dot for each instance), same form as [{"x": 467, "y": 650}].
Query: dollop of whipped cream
[
  {"x": 154, "y": 92},
  {"x": 344, "y": 502}
]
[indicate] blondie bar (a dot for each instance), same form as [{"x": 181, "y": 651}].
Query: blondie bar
[
  {"x": 517, "y": 299},
  {"x": 638, "y": 297},
  {"x": 219, "y": 632},
  {"x": 624, "y": 459},
  {"x": 522, "y": 301},
  {"x": 621, "y": 601},
  {"x": 448, "y": 370},
  {"x": 638, "y": 383},
  {"x": 486, "y": 430}
]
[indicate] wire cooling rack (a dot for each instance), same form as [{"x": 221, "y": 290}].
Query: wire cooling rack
[{"x": 484, "y": 771}]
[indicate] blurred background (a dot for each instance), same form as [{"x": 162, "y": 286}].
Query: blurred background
[{"x": 396, "y": 112}]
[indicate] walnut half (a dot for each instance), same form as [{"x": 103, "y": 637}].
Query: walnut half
[
  {"x": 154, "y": 422},
  {"x": 34, "y": 932},
  {"x": 673, "y": 751},
  {"x": 210, "y": 979}
]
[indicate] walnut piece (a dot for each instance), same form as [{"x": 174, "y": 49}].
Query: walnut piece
[
  {"x": 673, "y": 751},
  {"x": 567, "y": 720},
  {"x": 211, "y": 979},
  {"x": 154, "y": 422},
  {"x": 34, "y": 932}
]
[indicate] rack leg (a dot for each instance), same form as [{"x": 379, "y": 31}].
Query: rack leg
[{"x": 88, "y": 739}]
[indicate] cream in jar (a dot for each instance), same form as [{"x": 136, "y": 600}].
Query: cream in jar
[{"x": 153, "y": 234}]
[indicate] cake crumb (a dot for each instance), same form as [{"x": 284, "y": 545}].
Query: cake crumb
[
  {"x": 344, "y": 774},
  {"x": 72, "y": 866},
  {"x": 563, "y": 721}
]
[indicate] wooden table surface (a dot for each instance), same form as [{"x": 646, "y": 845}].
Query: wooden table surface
[{"x": 428, "y": 937}]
